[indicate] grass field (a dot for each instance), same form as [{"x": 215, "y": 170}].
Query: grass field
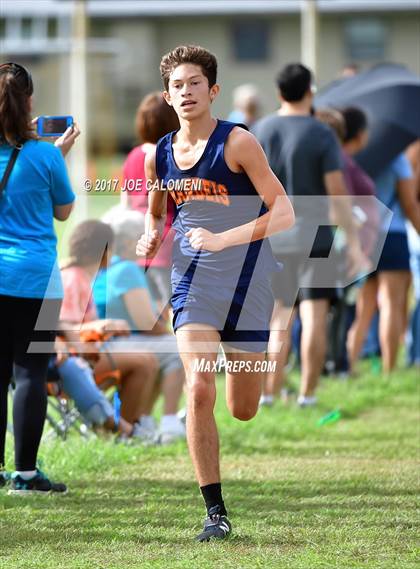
[{"x": 299, "y": 495}]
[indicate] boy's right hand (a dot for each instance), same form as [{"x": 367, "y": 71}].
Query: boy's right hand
[{"x": 148, "y": 244}]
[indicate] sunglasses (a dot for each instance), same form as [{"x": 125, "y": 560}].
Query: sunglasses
[{"x": 19, "y": 70}]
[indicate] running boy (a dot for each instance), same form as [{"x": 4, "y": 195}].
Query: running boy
[{"x": 228, "y": 200}]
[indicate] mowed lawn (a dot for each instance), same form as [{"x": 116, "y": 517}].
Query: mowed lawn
[{"x": 299, "y": 495}]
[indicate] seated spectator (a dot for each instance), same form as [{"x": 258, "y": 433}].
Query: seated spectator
[
  {"x": 89, "y": 246},
  {"x": 121, "y": 291}
]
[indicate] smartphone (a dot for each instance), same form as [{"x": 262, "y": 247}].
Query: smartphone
[{"x": 53, "y": 126}]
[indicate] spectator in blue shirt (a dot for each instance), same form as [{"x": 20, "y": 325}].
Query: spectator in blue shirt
[
  {"x": 387, "y": 288},
  {"x": 37, "y": 191}
]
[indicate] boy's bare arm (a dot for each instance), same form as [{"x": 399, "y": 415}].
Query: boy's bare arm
[{"x": 150, "y": 241}]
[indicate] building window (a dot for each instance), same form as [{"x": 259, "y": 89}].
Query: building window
[
  {"x": 251, "y": 40},
  {"x": 52, "y": 28},
  {"x": 365, "y": 39},
  {"x": 26, "y": 28},
  {"x": 100, "y": 28}
]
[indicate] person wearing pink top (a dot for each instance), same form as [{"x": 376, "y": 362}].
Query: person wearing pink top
[
  {"x": 154, "y": 119},
  {"x": 77, "y": 304}
]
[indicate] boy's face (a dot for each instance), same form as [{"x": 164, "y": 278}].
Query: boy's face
[{"x": 188, "y": 91}]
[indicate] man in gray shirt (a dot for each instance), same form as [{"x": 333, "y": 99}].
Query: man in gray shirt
[{"x": 305, "y": 156}]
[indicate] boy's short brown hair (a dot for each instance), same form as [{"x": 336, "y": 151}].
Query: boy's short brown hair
[
  {"x": 155, "y": 118},
  {"x": 189, "y": 54}
]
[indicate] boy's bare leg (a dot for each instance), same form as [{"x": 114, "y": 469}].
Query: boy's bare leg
[
  {"x": 243, "y": 388},
  {"x": 197, "y": 342}
]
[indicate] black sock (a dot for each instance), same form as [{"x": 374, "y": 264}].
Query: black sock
[{"x": 212, "y": 494}]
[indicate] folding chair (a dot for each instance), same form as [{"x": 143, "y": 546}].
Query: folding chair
[{"x": 62, "y": 415}]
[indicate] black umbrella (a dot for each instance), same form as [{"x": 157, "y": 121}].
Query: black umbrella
[{"x": 390, "y": 95}]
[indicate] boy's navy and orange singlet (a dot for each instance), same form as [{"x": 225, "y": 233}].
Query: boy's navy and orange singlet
[{"x": 228, "y": 289}]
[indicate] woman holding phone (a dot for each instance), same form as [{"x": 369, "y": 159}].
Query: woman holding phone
[{"x": 34, "y": 189}]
